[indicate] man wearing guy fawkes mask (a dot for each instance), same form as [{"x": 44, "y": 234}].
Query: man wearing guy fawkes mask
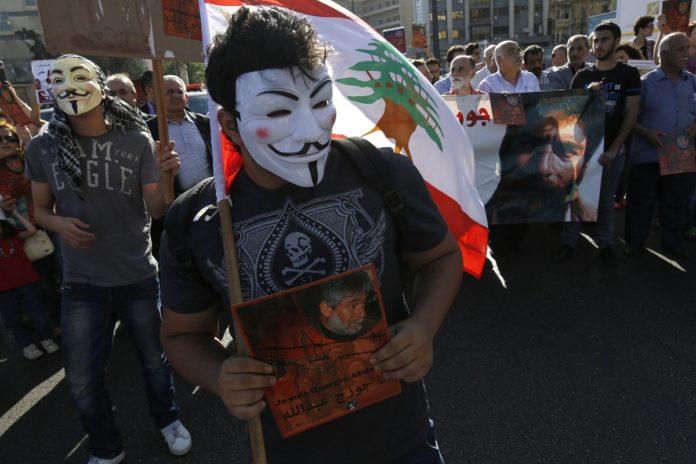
[
  {"x": 96, "y": 179},
  {"x": 301, "y": 212}
]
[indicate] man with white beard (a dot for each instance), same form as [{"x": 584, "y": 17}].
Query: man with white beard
[{"x": 462, "y": 70}]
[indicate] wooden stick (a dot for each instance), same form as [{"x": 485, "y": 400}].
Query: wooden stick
[
  {"x": 158, "y": 81},
  {"x": 234, "y": 291}
]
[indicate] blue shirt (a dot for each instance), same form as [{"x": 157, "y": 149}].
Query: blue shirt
[
  {"x": 496, "y": 83},
  {"x": 444, "y": 85},
  {"x": 666, "y": 105}
]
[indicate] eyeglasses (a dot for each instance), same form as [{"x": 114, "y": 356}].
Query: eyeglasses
[
  {"x": 9, "y": 138},
  {"x": 173, "y": 91}
]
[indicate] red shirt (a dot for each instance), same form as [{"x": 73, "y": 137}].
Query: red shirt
[
  {"x": 17, "y": 186},
  {"x": 15, "y": 268}
]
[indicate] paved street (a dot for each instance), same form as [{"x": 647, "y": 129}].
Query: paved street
[{"x": 541, "y": 363}]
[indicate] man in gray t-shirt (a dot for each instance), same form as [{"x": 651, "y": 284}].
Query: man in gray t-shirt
[
  {"x": 116, "y": 166},
  {"x": 96, "y": 182}
]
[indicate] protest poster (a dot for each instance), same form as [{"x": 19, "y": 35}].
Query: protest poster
[
  {"x": 128, "y": 28},
  {"x": 397, "y": 37},
  {"x": 677, "y": 154},
  {"x": 418, "y": 36},
  {"x": 319, "y": 338},
  {"x": 508, "y": 109},
  {"x": 182, "y": 18},
  {"x": 677, "y": 13},
  {"x": 546, "y": 170},
  {"x": 643, "y": 66},
  {"x": 42, "y": 82},
  {"x": 10, "y": 106},
  {"x": 626, "y": 12}
]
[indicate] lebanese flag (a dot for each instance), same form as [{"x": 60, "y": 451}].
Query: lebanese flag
[{"x": 379, "y": 95}]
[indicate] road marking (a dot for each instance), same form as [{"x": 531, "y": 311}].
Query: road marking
[
  {"x": 23, "y": 406},
  {"x": 494, "y": 265},
  {"x": 589, "y": 239},
  {"x": 75, "y": 448},
  {"x": 671, "y": 262}
]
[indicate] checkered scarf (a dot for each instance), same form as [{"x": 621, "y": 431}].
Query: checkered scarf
[{"x": 118, "y": 115}]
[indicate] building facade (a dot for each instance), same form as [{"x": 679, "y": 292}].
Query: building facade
[
  {"x": 16, "y": 15},
  {"x": 570, "y": 17},
  {"x": 461, "y": 21}
]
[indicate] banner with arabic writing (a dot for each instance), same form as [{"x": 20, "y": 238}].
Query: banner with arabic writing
[
  {"x": 542, "y": 166},
  {"x": 319, "y": 338}
]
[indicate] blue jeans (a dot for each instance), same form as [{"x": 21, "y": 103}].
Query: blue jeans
[
  {"x": 87, "y": 319},
  {"x": 28, "y": 298},
  {"x": 611, "y": 175}
]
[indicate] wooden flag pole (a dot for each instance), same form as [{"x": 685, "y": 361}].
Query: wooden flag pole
[
  {"x": 158, "y": 82},
  {"x": 234, "y": 291}
]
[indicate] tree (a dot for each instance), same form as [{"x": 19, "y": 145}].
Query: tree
[
  {"x": 195, "y": 70},
  {"x": 36, "y": 45}
]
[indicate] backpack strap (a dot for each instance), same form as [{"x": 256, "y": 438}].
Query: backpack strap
[
  {"x": 176, "y": 225},
  {"x": 372, "y": 165}
]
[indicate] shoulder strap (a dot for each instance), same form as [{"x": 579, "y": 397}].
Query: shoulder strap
[
  {"x": 372, "y": 165},
  {"x": 176, "y": 225}
]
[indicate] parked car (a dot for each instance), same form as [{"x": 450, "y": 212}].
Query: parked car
[
  {"x": 46, "y": 113},
  {"x": 198, "y": 101}
]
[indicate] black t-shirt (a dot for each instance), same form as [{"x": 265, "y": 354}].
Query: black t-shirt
[
  {"x": 620, "y": 82},
  {"x": 338, "y": 225}
]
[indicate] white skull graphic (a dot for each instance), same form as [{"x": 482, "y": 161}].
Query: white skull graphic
[{"x": 298, "y": 247}]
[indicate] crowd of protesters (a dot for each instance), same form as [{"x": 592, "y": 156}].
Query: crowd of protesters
[
  {"x": 61, "y": 299},
  {"x": 635, "y": 120}
]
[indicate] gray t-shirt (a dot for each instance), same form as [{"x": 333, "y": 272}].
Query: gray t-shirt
[{"x": 115, "y": 166}]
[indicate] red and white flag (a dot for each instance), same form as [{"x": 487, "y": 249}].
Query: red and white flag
[{"x": 379, "y": 95}]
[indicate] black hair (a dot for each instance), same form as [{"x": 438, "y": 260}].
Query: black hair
[
  {"x": 642, "y": 22},
  {"x": 433, "y": 61},
  {"x": 632, "y": 52},
  {"x": 257, "y": 39},
  {"x": 532, "y": 50},
  {"x": 579, "y": 37},
  {"x": 609, "y": 26},
  {"x": 454, "y": 49},
  {"x": 146, "y": 79},
  {"x": 470, "y": 47}
]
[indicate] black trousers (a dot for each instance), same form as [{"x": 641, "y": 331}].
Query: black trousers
[{"x": 645, "y": 189}]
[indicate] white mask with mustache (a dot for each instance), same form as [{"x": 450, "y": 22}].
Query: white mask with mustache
[
  {"x": 285, "y": 121},
  {"x": 76, "y": 88}
]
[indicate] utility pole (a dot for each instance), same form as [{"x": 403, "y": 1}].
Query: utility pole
[{"x": 436, "y": 33}]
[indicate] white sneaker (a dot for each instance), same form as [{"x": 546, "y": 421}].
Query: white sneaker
[
  {"x": 114, "y": 460},
  {"x": 177, "y": 437},
  {"x": 31, "y": 352},
  {"x": 49, "y": 346}
]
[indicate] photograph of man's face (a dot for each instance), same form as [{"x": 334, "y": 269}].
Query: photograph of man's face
[
  {"x": 346, "y": 307},
  {"x": 347, "y": 316},
  {"x": 683, "y": 141}
]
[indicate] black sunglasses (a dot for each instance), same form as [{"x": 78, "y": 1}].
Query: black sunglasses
[{"x": 9, "y": 138}]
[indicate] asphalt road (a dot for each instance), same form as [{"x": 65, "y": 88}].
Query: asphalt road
[{"x": 545, "y": 363}]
